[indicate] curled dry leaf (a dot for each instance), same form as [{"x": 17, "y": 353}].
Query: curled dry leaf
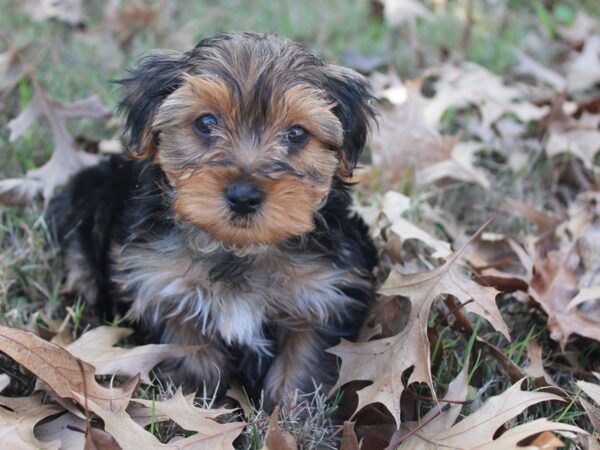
[
  {"x": 68, "y": 11},
  {"x": 349, "y": 440},
  {"x": 529, "y": 66},
  {"x": 579, "y": 138},
  {"x": 66, "y": 428},
  {"x": 471, "y": 85},
  {"x": 554, "y": 286},
  {"x": 66, "y": 158},
  {"x": 16, "y": 428},
  {"x": 584, "y": 71},
  {"x": 96, "y": 347},
  {"x": 383, "y": 361},
  {"x": 397, "y": 12},
  {"x": 12, "y": 68},
  {"x": 403, "y": 141},
  {"x": 477, "y": 430},
  {"x": 209, "y": 433},
  {"x": 460, "y": 166},
  {"x": 535, "y": 368},
  {"x": 65, "y": 375},
  {"x": 276, "y": 438},
  {"x": 4, "y": 381}
]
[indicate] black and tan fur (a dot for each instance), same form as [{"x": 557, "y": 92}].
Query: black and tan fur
[{"x": 151, "y": 236}]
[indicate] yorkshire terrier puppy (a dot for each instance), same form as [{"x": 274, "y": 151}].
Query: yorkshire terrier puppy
[{"x": 229, "y": 224}]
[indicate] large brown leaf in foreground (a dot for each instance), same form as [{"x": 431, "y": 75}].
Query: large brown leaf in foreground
[
  {"x": 209, "y": 434},
  {"x": 383, "y": 361},
  {"x": 96, "y": 347},
  {"x": 477, "y": 430},
  {"x": 65, "y": 375}
]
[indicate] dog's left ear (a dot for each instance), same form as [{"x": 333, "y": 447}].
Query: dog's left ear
[
  {"x": 354, "y": 107},
  {"x": 156, "y": 76}
]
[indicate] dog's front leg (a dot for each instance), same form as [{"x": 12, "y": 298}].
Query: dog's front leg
[
  {"x": 204, "y": 371},
  {"x": 301, "y": 363}
]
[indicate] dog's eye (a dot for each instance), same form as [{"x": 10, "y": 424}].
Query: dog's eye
[
  {"x": 297, "y": 136},
  {"x": 205, "y": 124}
]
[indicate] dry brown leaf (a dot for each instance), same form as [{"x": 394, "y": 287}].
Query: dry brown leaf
[
  {"x": 593, "y": 413},
  {"x": 477, "y": 429},
  {"x": 546, "y": 440},
  {"x": 235, "y": 392},
  {"x": 96, "y": 439},
  {"x": 349, "y": 440},
  {"x": 535, "y": 368},
  {"x": 397, "y": 12},
  {"x": 131, "y": 18},
  {"x": 276, "y": 438},
  {"x": 96, "y": 347},
  {"x": 471, "y": 85},
  {"x": 12, "y": 68},
  {"x": 65, "y": 375},
  {"x": 436, "y": 420},
  {"x": 582, "y": 28},
  {"x": 579, "y": 138},
  {"x": 529, "y": 66},
  {"x": 554, "y": 286},
  {"x": 403, "y": 141},
  {"x": 394, "y": 205},
  {"x": 66, "y": 158},
  {"x": 16, "y": 428},
  {"x": 591, "y": 389},
  {"x": 182, "y": 410},
  {"x": 68, "y": 11},
  {"x": 67, "y": 428},
  {"x": 460, "y": 166},
  {"x": 210, "y": 434},
  {"x": 4, "y": 381},
  {"x": 584, "y": 71},
  {"x": 383, "y": 361}
]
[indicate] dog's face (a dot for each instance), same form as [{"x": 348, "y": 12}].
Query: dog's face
[{"x": 250, "y": 131}]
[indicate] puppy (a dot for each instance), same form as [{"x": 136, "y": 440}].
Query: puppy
[{"x": 229, "y": 225}]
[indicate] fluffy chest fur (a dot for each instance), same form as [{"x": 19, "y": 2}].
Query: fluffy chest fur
[{"x": 192, "y": 280}]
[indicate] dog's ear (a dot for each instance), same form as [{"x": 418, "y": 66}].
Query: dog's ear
[
  {"x": 355, "y": 110},
  {"x": 156, "y": 76}
]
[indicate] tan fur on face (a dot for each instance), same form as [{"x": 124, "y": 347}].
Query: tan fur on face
[
  {"x": 288, "y": 209},
  {"x": 240, "y": 149}
]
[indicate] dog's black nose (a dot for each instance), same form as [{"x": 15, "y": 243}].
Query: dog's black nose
[{"x": 244, "y": 198}]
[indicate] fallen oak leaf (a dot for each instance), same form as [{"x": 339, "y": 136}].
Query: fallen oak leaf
[
  {"x": 4, "y": 381},
  {"x": 182, "y": 410},
  {"x": 16, "y": 428},
  {"x": 65, "y": 375},
  {"x": 68, "y": 11},
  {"x": 383, "y": 361},
  {"x": 96, "y": 347},
  {"x": 403, "y": 140},
  {"x": 553, "y": 287},
  {"x": 276, "y": 438},
  {"x": 546, "y": 440},
  {"x": 96, "y": 439},
  {"x": 535, "y": 368},
  {"x": 66, "y": 158},
  {"x": 67, "y": 428},
  {"x": 349, "y": 440},
  {"x": 477, "y": 430},
  {"x": 129, "y": 434}
]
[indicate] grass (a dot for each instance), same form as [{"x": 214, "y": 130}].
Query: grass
[{"x": 71, "y": 65}]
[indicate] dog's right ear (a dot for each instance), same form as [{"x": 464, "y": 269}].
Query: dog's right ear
[{"x": 156, "y": 76}]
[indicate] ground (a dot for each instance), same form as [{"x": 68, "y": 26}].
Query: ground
[{"x": 457, "y": 144}]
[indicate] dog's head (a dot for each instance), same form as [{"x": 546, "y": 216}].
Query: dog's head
[{"x": 250, "y": 130}]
